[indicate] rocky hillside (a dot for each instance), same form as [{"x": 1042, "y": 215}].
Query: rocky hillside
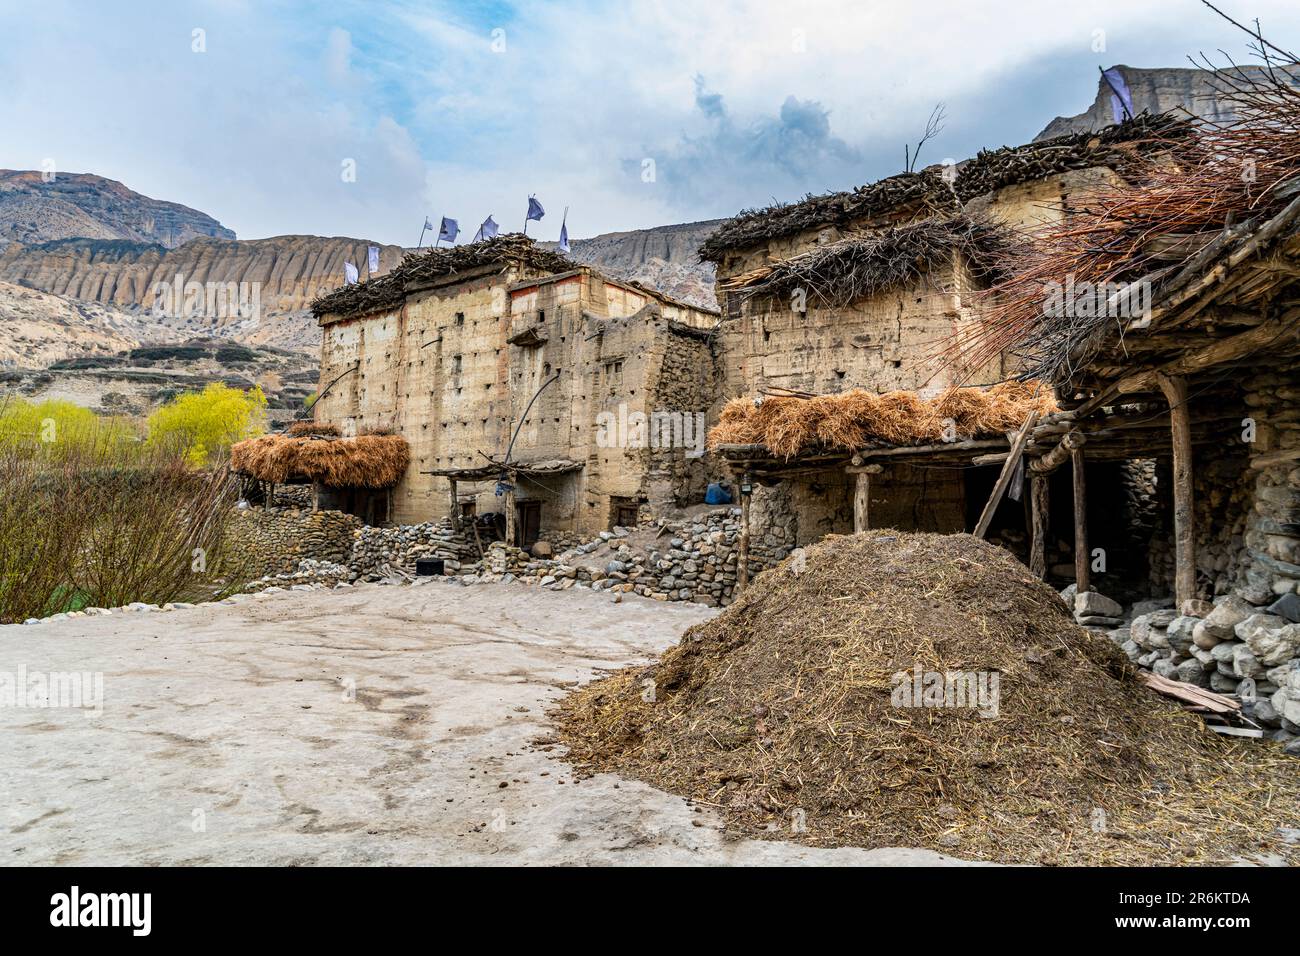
[
  {"x": 271, "y": 281},
  {"x": 1156, "y": 91},
  {"x": 663, "y": 257},
  {"x": 84, "y": 206},
  {"x": 134, "y": 381}
]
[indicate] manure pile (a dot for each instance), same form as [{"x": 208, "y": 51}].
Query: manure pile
[{"x": 785, "y": 714}]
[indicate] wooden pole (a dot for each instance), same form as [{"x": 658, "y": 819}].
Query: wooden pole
[
  {"x": 315, "y": 496},
  {"x": 742, "y": 558},
  {"x": 1004, "y": 479},
  {"x": 510, "y": 513},
  {"x": 1175, "y": 392},
  {"x": 1082, "y": 578},
  {"x": 455, "y": 505},
  {"x": 862, "y": 495},
  {"x": 1038, "y": 498}
]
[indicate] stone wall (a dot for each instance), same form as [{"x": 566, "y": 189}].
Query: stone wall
[{"x": 260, "y": 541}]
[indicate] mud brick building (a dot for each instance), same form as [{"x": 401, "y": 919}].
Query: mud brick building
[{"x": 527, "y": 386}]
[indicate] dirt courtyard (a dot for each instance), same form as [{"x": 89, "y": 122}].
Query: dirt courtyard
[{"x": 364, "y": 726}]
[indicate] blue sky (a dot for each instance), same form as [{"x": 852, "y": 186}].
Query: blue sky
[{"x": 466, "y": 108}]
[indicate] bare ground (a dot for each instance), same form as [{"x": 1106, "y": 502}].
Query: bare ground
[{"x": 365, "y": 726}]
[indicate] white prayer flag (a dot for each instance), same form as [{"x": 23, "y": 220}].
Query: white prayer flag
[{"x": 350, "y": 273}]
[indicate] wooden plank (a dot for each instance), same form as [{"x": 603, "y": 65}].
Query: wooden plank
[
  {"x": 1004, "y": 479},
  {"x": 1175, "y": 390},
  {"x": 1038, "y": 510},
  {"x": 1082, "y": 569},
  {"x": 511, "y": 519},
  {"x": 455, "y": 504},
  {"x": 1190, "y": 693}
]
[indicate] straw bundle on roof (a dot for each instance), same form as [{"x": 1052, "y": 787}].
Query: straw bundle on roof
[
  {"x": 856, "y": 419},
  {"x": 367, "y": 461},
  {"x": 324, "y": 429}
]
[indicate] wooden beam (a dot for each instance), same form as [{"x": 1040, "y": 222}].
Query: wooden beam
[
  {"x": 742, "y": 556},
  {"x": 1175, "y": 390},
  {"x": 1082, "y": 576},
  {"x": 455, "y": 504},
  {"x": 1004, "y": 479},
  {"x": 1038, "y": 502},
  {"x": 1058, "y": 455}
]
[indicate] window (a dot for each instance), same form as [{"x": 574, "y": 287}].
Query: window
[
  {"x": 613, "y": 372},
  {"x": 460, "y": 318},
  {"x": 455, "y": 365}
]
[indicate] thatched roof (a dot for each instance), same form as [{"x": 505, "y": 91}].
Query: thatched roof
[
  {"x": 1117, "y": 147},
  {"x": 367, "y": 461},
  {"x": 863, "y": 264},
  {"x": 927, "y": 192},
  {"x": 854, "y": 420},
  {"x": 923, "y": 190},
  {"x": 388, "y": 291}
]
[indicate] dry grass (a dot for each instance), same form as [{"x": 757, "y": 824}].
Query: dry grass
[
  {"x": 367, "y": 461},
  {"x": 856, "y": 419},
  {"x": 321, "y": 429},
  {"x": 781, "y": 709}
]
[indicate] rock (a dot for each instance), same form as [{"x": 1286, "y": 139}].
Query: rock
[
  {"x": 1224, "y": 651},
  {"x": 1266, "y": 713},
  {"x": 542, "y": 549},
  {"x": 1270, "y": 638},
  {"x": 1225, "y": 616},
  {"x": 1179, "y": 633},
  {"x": 1287, "y": 606},
  {"x": 1155, "y": 604},
  {"x": 1223, "y": 684},
  {"x": 1098, "y": 621},
  {"x": 1194, "y": 607},
  {"x": 1292, "y": 748},
  {"x": 1245, "y": 663},
  {"x": 1165, "y": 669},
  {"x": 1096, "y": 604},
  {"x": 1132, "y": 650},
  {"x": 1191, "y": 672},
  {"x": 1119, "y": 636},
  {"x": 1203, "y": 638},
  {"x": 1067, "y": 595}
]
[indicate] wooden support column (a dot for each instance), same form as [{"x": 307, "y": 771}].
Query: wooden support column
[
  {"x": 1004, "y": 479},
  {"x": 1082, "y": 577},
  {"x": 742, "y": 556},
  {"x": 270, "y": 495},
  {"x": 510, "y": 513},
  {"x": 455, "y": 505},
  {"x": 1180, "y": 423},
  {"x": 1038, "y": 506},
  {"x": 315, "y": 496},
  {"x": 862, "y": 495}
]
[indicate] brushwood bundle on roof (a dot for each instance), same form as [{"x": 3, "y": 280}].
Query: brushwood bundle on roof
[
  {"x": 429, "y": 265},
  {"x": 1121, "y": 147},
  {"x": 367, "y": 461},
  {"x": 1210, "y": 220},
  {"x": 925, "y": 191},
  {"x": 863, "y": 264},
  {"x": 857, "y": 419}
]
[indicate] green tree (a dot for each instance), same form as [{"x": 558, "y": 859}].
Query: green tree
[{"x": 201, "y": 426}]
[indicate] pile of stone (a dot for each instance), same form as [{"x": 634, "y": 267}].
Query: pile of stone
[
  {"x": 687, "y": 561},
  {"x": 309, "y": 572},
  {"x": 378, "y": 552},
  {"x": 1231, "y": 647}
]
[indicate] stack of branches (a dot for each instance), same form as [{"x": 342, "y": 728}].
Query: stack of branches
[
  {"x": 925, "y": 191},
  {"x": 1119, "y": 147},
  {"x": 388, "y": 291},
  {"x": 367, "y": 461},
  {"x": 1195, "y": 203},
  {"x": 789, "y": 425},
  {"x": 320, "y": 429},
  {"x": 861, "y": 264}
]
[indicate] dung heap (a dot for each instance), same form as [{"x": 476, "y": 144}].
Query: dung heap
[{"x": 793, "y": 713}]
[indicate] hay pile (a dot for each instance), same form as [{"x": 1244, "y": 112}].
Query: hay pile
[
  {"x": 367, "y": 461},
  {"x": 855, "y": 419},
  {"x": 321, "y": 429},
  {"x": 781, "y": 710}
]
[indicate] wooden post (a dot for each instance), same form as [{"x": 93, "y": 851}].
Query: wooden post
[
  {"x": 1180, "y": 424},
  {"x": 455, "y": 505},
  {"x": 1082, "y": 578},
  {"x": 742, "y": 557},
  {"x": 270, "y": 496},
  {"x": 315, "y": 496},
  {"x": 1038, "y": 505},
  {"x": 862, "y": 495},
  {"x": 510, "y": 514}
]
